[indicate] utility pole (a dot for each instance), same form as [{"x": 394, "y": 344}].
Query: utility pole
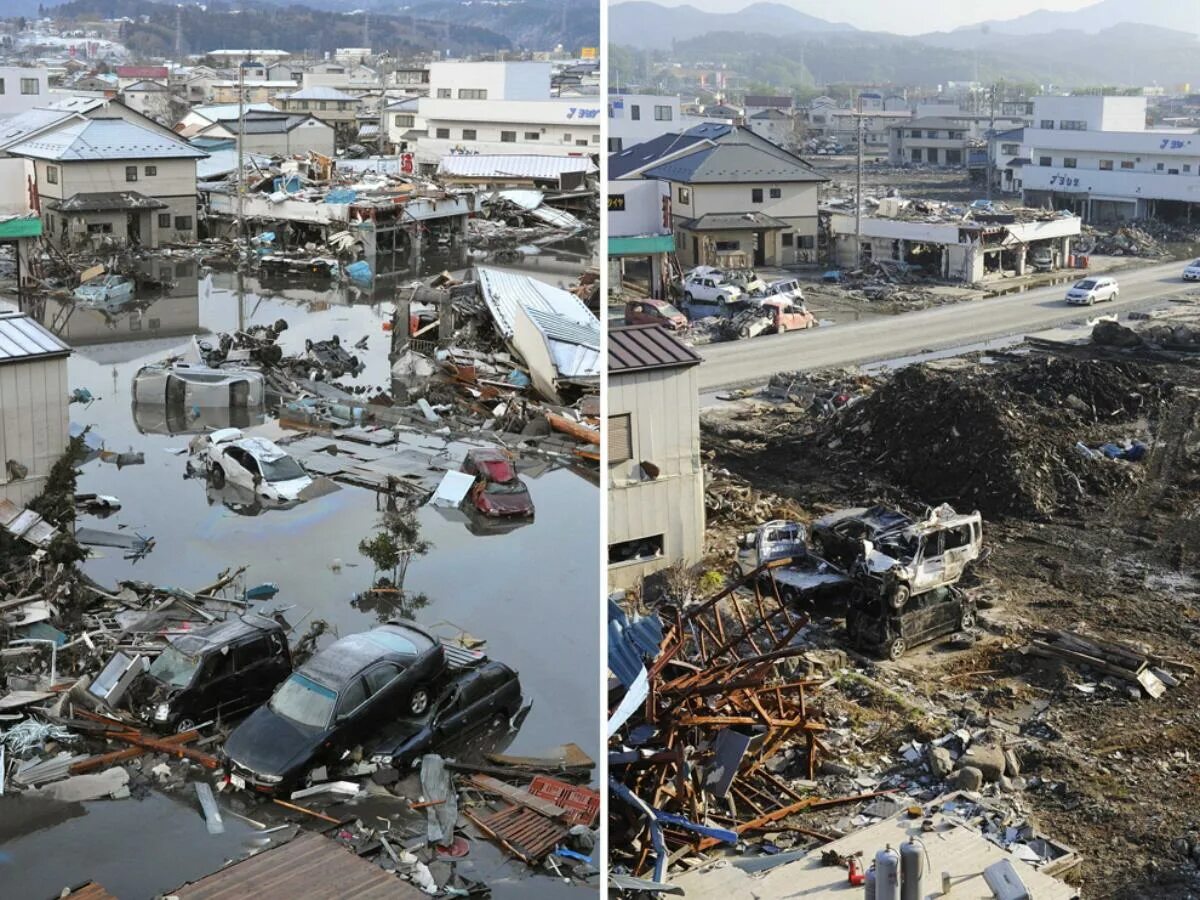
[
  {"x": 241, "y": 155},
  {"x": 366, "y": 28},
  {"x": 858, "y": 177},
  {"x": 991, "y": 142},
  {"x": 178, "y": 34},
  {"x": 382, "y": 100}
]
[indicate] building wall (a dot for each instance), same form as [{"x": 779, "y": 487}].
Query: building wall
[
  {"x": 563, "y": 127},
  {"x": 12, "y": 99},
  {"x": 502, "y": 80},
  {"x": 664, "y": 425},
  {"x": 643, "y": 211},
  {"x": 655, "y": 115},
  {"x": 152, "y": 104},
  {"x": 1100, "y": 113},
  {"x": 797, "y": 206},
  {"x": 777, "y": 131},
  {"x": 33, "y": 423}
]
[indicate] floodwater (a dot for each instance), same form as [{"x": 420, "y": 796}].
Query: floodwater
[{"x": 531, "y": 592}]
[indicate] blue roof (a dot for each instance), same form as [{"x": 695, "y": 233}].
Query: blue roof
[
  {"x": 647, "y": 152},
  {"x": 104, "y": 139},
  {"x": 733, "y": 163}
]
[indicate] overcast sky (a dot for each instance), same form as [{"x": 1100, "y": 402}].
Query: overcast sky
[{"x": 901, "y": 16}]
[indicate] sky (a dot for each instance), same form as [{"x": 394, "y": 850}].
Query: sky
[{"x": 902, "y": 16}]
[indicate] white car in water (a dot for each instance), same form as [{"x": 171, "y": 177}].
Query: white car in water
[
  {"x": 1092, "y": 290},
  {"x": 1192, "y": 271},
  {"x": 227, "y": 456}
]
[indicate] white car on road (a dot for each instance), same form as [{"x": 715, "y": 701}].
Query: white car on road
[
  {"x": 1092, "y": 290},
  {"x": 706, "y": 286},
  {"x": 1192, "y": 272},
  {"x": 227, "y": 456}
]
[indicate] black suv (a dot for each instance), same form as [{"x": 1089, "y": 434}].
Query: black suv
[
  {"x": 341, "y": 697},
  {"x": 475, "y": 698},
  {"x": 215, "y": 672},
  {"x": 875, "y": 626}
]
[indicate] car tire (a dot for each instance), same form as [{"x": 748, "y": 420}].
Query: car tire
[
  {"x": 184, "y": 725},
  {"x": 418, "y": 701},
  {"x": 810, "y": 324},
  {"x": 789, "y": 596},
  {"x": 1115, "y": 295},
  {"x": 687, "y": 296},
  {"x": 337, "y": 341},
  {"x": 900, "y": 596},
  {"x": 967, "y": 621},
  {"x": 308, "y": 344},
  {"x": 217, "y": 475},
  {"x": 783, "y": 329},
  {"x": 896, "y": 648}
]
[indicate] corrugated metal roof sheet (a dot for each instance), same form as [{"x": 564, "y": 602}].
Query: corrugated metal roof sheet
[
  {"x": 515, "y": 166},
  {"x": 638, "y": 348},
  {"x": 308, "y": 866},
  {"x": 732, "y": 163},
  {"x": 97, "y": 139},
  {"x": 22, "y": 338},
  {"x": 318, "y": 92}
]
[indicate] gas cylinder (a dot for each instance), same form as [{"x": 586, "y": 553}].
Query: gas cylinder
[
  {"x": 869, "y": 892},
  {"x": 887, "y": 874},
  {"x": 911, "y": 862}
]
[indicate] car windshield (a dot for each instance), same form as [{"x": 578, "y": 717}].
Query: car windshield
[
  {"x": 174, "y": 667},
  {"x": 1086, "y": 285},
  {"x": 1195, "y": 264},
  {"x": 283, "y": 469},
  {"x": 504, "y": 487},
  {"x": 303, "y": 700},
  {"x": 669, "y": 311}
]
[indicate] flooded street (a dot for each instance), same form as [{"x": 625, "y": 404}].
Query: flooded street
[{"x": 524, "y": 591}]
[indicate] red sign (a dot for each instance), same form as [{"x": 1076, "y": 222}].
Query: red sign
[{"x": 406, "y": 163}]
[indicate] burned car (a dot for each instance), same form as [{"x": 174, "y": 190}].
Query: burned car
[
  {"x": 897, "y": 557},
  {"x": 875, "y": 626},
  {"x": 804, "y": 575},
  {"x": 487, "y": 693},
  {"x": 335, "y": 701},
  {"x": 213, "y": 673}
]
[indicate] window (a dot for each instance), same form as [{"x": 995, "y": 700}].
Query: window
[
  {"x": 684, "y": 194},
  {"x": 352, "y": 697},
  {"x": 1009, "y": 149},
  {"x": 932, "y": 135},
  {"x": 52, "y": 174},
  {"x": 1125, "y": 164},
  {"x": 1158, "y": 167},
  {"x": 1, "y": 85},
  {"x": 788, "y": 239},
  {"x": 727, "y": 246},
  {"x": 472, "y": 93},
  {"x": 1172, "y": 171},
  {"x": 1106, "y": 165},
  {"x": 567, "y": 138},
  {"x": 635, "y": 551},
  {"x": 508, "y": 137},
  {"x": 537, "y": 136},
  {"x": 150, "y": 171},
  {"x": 932, "y": 155},
  {"x": 1073, "y": 125},
  {"x": 808, "y": 241},
  {"x": 957, "y": 135},
  {"x": 216, "y": 665},
  {"x": 249, "y": 653},
  {"x": 614, "y": 145},
  {"x": 321, "y": 104},
  {"x": 776, "y": 193},
  {"x": 131, "y": 173},
  {"x": 183, "y": 223},
  {"x": 442, "y": 133},
  {"x": 581, "y": 142},
  {"x": 620, "y": 439},
  {"x": 662, "y": 114},
  {"x": 1044, "y": 161},
  {"x": 916, "y": 154},
  {"x": 635, "y": 112},
  {"x": 379, "y": 678},
  {"x": 1187, "y": 167},
  {"x": 756, "y": 195},
  {"x": 102, "y": 228},
  {"x": 1069, "y": 162},
  {"x": 1048, "y": 124},
  {"x": 915, "y": 133},
  {"x": 468, "y": 134},
  {"x": 444, "y": 93},
  {"x": 404, "y": 120},
  {"x": 30, "y": 86},
  {"x": 164, "y": 220},
  {"x": 596, "y": 138},
  {"x": 953, "y": 157}
]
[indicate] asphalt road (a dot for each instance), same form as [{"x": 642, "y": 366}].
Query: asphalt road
[{"x": 745, "y": 363}]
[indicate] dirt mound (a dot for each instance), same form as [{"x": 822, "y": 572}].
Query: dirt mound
[{"x": 1000, "y": 439}]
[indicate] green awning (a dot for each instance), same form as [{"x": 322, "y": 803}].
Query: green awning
[
  {"x": 25, "y": 227},
  {"x": 641, "y": 245}
]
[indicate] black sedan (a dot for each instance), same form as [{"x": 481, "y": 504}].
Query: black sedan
[
  {"x": 473, "y": 700},
  {"x": 340, "y": 698}
]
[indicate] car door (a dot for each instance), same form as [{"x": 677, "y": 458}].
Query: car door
[
  {"x": 928, "y": 564},
  {"x": 252, "y": 669},
  {"x": 471, "y": 690},
  {"x": 240, "y": 468},
  {"x": 957, "y": 546},
  {"x": 215, "y": 683},
  {"x": 916, "y": 624},
  {"x": 385, "y": 689},
  {"x": 349, "y": 716}
]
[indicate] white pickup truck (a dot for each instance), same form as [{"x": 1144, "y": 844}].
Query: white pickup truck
[{"x": 804, "y": 577}]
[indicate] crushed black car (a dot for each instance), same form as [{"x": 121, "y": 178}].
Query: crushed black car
[
  {"x": 477, "y": 696},
  {"x": 335, "y": 701},
  {"x": 213, "y": 673},
  {"x": 876, "y": 627}
]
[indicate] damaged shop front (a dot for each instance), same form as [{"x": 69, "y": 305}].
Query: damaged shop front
[{"x": 955, "y": 245}]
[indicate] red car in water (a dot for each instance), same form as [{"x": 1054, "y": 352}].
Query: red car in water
[{"x": 497, "y": 490}]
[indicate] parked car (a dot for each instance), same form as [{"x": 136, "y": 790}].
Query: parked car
[
  {"x": 180, "y": 384},
  {"x": 1191, "y": 272},
  {"x": 340, "y": 698},
  {"x": 213, "y": 673},
  {"x": 899, "y": 557},
  {"x": 707, "y": 287},
  {"x": 1092, "y": 290},
  {"x": 654, "y": 312},
  {"x": 474, "y": 699},
  {"x": 873, "y": 626},
  {"x": 784, "y": 289},
  {"x": 229, "y": 456},
  {"x": 772, "y": 316},
  {"x": 1041, "y": 259},
  {"x": 109, "y": 292},
  {"x": 497, "y": 490}
]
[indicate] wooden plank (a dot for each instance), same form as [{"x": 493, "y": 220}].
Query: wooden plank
[{"x": 519, "y": 796}]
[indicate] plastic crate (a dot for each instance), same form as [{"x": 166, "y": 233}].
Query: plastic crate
[{"x": 582, "y": 804}]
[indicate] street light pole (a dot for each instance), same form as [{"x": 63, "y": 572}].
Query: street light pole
[{"x": 858, "y": 179}]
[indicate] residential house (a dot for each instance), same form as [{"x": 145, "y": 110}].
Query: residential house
[
  {"x": 112, "y": 179},
  {"x": 736, "y": 198},
  {"x": 20, "y": 223},
  {"x": 927, "y": 142},
  {"x": 1095, "y": 155},
  {"x": 34, "y": 392},
  {"x": 93, "y": 85},
  {"x": 22, "y": 88},
  {"x": 199, "y": 118},
  {"x": 503, "y": 107},
  {"x": 1009, "y": 156},
  {"x": 405, "y": 127},
  {"x": 655, "y": 474},
  {"x": 413, "y": 80},
  {"x": 776, "y": 125},
  {"x": 151, "y": 98},
  {"x": 127, "y": 75},
  {"x": 226, "y": 90},
  {"x": 760, "y": 103},
  {"x": 350, "y": 79},
  {"x": 337, "y": 108},
  {"x": 269, "y": 133}
]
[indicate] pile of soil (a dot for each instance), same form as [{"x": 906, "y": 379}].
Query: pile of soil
[{"x": 1000, "y": 439}]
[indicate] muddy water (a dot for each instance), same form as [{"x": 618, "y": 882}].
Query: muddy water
[{"x": 531, "y": 592}]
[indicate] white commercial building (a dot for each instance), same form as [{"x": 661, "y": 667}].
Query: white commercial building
[
  {"x": 1095, "y": 156},
  {"x": 634, "y": 118},
  {"x": 503, "y": 107},
  {"x": 22, "y": 89}
]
